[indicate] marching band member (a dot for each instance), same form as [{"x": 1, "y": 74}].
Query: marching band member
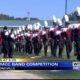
[
  {"x": 18, "y": 41},
  {"x": 28, "y": 38},
  {"x": 23, "y": 29},
  {"x": 19, "y": 38},
  {"x": 23, "y": 38},
  {"x": 77, "y": 34},
  {"x": 39, "y": 37},
  {"x": 35, "y": 39},
  {"x": 71, "y": 28},
  {"x": 15, "y": 39},
  {"x": 11, "y": 43},
  {"x": 15, "y": 35},
  {"x": 45, "y": 37},
  {"x": 5, "y": 43},
  {"x": 60, "y": 41},
  {"x": 67, "y": 36},
  {"x": 53, "y": 42}
]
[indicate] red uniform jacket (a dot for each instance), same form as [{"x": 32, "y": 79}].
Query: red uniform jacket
[
  {"x": 39, "y": 35},
  {"x": 79, "y": 27},
  {"x": 68, "y": 32},
  {"x": 0, "y": 40},
  {"x": 54, "y": 30}
]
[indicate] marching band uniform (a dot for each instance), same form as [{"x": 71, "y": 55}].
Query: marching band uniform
[
  {"x": 71, "y": 28},
  {"x": 67, "y": 41},
  {"x": 1, "y": 40},
  {"x": 39, "y": 39},
  {"x": 77, "y": 35},
  {"x": 53, "y": 41},
  {"x": 17, "y": 41},
  {"x": 28, "y": 44},
  {"x": 35, "y": 39},
  {"x": 60, "y": 41},
  {"x": 20, "y": 38},
  {"x": 5, "y": 37},
  {"x": 35, "y": 43},
  {"x": 45, "y": 37},
  {"x": 77, "y": 40},
  {"x": 22, "y": 41},
  {"x": 11, "y": 44},
  {"x": 28, "y": 38},
  {"x": 67, "y": 37},
  {"x": 45, "y": 41}
]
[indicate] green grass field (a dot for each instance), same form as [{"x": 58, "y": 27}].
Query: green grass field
[
  {"x": 42, "y": 57},
  {"x": 47, "y": 73}
]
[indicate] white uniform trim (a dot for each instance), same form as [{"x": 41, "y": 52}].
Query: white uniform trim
[
  {"x": 43, "y": 32},
  {"x": 58, "y": 32},
  {"x": 70, "y": 27},
  {"x": 76, "y": 26},
  {"x": 6, "y": 33},
  {"x": 9, "y": 31},
  {"x": 12, "y": 36},
  {"x": 51, "y": 29},
  {"x": 27, "y": 34},
  {"x": 21, "y": 34},
  {"x": 15, "y": 32},
  {"x": 64, "y": 29},
  {"x": 35, "y": 35},
  {"x": 18, "y": 31}
]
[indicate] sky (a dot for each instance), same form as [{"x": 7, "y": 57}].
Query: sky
[{"x": 42, "y": 9}]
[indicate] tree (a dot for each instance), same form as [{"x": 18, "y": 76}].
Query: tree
[{"x": 7, "y": 17}]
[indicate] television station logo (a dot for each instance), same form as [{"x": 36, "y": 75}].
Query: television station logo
[{"x": 76, "y": 65}]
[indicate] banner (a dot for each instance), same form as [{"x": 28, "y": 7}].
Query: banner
[{"x": 37, "y": 65}]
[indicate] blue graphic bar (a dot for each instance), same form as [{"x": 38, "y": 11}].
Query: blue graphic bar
[{"x": 38, "y": 65}]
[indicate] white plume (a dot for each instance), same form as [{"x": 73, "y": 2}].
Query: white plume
[
  {"x": 30, "y": 27},
  {"x": 37, "y": 26},
  {"x": 46, "y": 23},
  {"x": 78, "y": 10},
  {"x": 20, "y": 29},
  {"x": 66, "y": 18},
  {"x": 59, "y": 22},
  {"x": 23, "y": 27},
  {"x": 54, "y": 19}
]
